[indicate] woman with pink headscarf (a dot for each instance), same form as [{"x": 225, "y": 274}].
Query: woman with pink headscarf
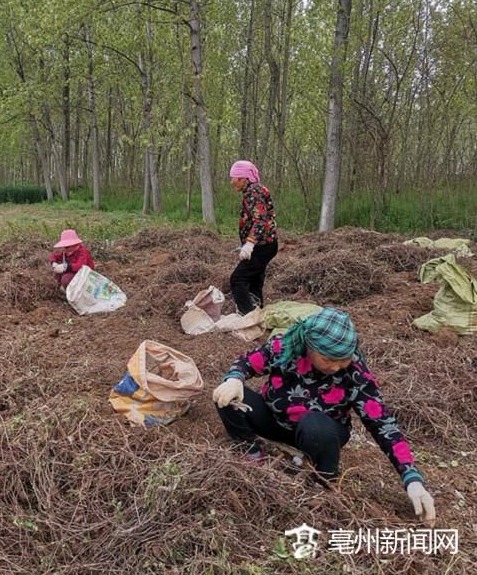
[
  {"x": 258, "y": 236},
  {"x": 69, "y": 256}
]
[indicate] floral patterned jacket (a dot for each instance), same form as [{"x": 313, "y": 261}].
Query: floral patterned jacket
[
  {"x": 257, "y": 218},
  {"x": 297, "y": 388}
]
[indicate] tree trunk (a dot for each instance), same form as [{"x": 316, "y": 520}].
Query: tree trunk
[
  {"x": 85, "y": 147},
  {"x": 191, "y": 134},
  {"x": 191, "y": 156},
  {"x": 56, "y": 152},
  {"x": 94, "y": 122},
  {"x": 42, "y": 156},
  {"x": 201, "y": 114},
  {"x": 282, "y": 111},
  {"x": 75, "y": 161},
  {"x": 146, "y": 65},
  {"x": 245, "y": 148},
  {"x": 335, "y": 118},
  {"x": 108, "y": 164},
  {"x": 60, "y": 170},
  {"x": 360, "y": 70},
  {"x": 274, "y": 72},
  {"x": 146, "y": 198},
  {"x": 66, "y": 112}
]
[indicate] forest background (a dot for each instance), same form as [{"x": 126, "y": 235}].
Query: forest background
[{"x": 143, "y": 106}]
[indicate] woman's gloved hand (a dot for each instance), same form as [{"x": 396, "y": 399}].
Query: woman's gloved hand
[
  {"x": 59, "y": 268},
  {"x": 246, "y": 251},
  {"x": 230, "y": 390},
  {"x": 423, "y": 502}
]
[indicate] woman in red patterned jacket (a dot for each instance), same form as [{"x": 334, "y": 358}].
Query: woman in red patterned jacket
[
  {"x": 258, "y": 236},
  {"x": 69, "y": 256}
]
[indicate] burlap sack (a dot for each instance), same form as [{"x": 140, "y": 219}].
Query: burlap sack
[{"x": 158, "y": 386}]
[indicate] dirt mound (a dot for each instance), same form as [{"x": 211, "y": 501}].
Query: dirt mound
[{"x": 84, "y": 493}]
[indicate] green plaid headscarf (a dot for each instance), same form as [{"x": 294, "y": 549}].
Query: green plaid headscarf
[{"x": 329, "y": 332}]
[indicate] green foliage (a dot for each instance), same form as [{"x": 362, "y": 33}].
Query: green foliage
[
  {"x": 409, "y": 109},
  {"x": 410, "y": 211},
  {"x": 23, "y": 194}
]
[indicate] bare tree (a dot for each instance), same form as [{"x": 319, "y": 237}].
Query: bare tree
[
  {"x": 245, "y": 139},
  {"x": 273, "y": 88},
  {"x": 205, "y": 170},
  {"x": 335, "y": 118},
  {"x": 42, "y": 156},
  {"x": 282, "y": 109},
  {"x": 151, "y": 179},
  {"x": 66, "y": 105},
  {"x": 94, "y": 120}
]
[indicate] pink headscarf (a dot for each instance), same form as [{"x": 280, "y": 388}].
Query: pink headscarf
[{"x": 245, "y": 169}]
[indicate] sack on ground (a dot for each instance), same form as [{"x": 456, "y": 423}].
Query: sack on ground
[
  {"x": 158, "y": 386},
  {"x": 196, "y": 321},
  {"x": 210, "y": 300},
  {"x": 455, "y": 304},
  {"x": 91, "y": 292},
  {"x": 279, "y": 316},
  {"x": 247, "y": 327},
  {"x": 203, "y": 316},
  {"x": 203, "y": 311},
  {"x": 459, "y": 246}
]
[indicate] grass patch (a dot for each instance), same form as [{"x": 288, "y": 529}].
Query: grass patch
[
  {"x": 121, "y": 213},
  {"x": 48, "y": 220},
  {"x": 411, "y": 211}
]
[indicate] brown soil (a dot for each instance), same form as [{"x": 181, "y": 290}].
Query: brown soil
[{"x": 83, "y": 492}]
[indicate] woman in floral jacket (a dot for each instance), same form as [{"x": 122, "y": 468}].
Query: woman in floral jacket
[
  {"x": 316, "y": 375},
  {"x": 258, "y": 237}
]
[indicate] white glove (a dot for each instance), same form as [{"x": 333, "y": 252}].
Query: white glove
[
  {"x": 59, "y": 268},
  {"x": 246, "y": 251},
  {"x": 423, "y": 502},
  {"x": 229, "y": 391}
]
